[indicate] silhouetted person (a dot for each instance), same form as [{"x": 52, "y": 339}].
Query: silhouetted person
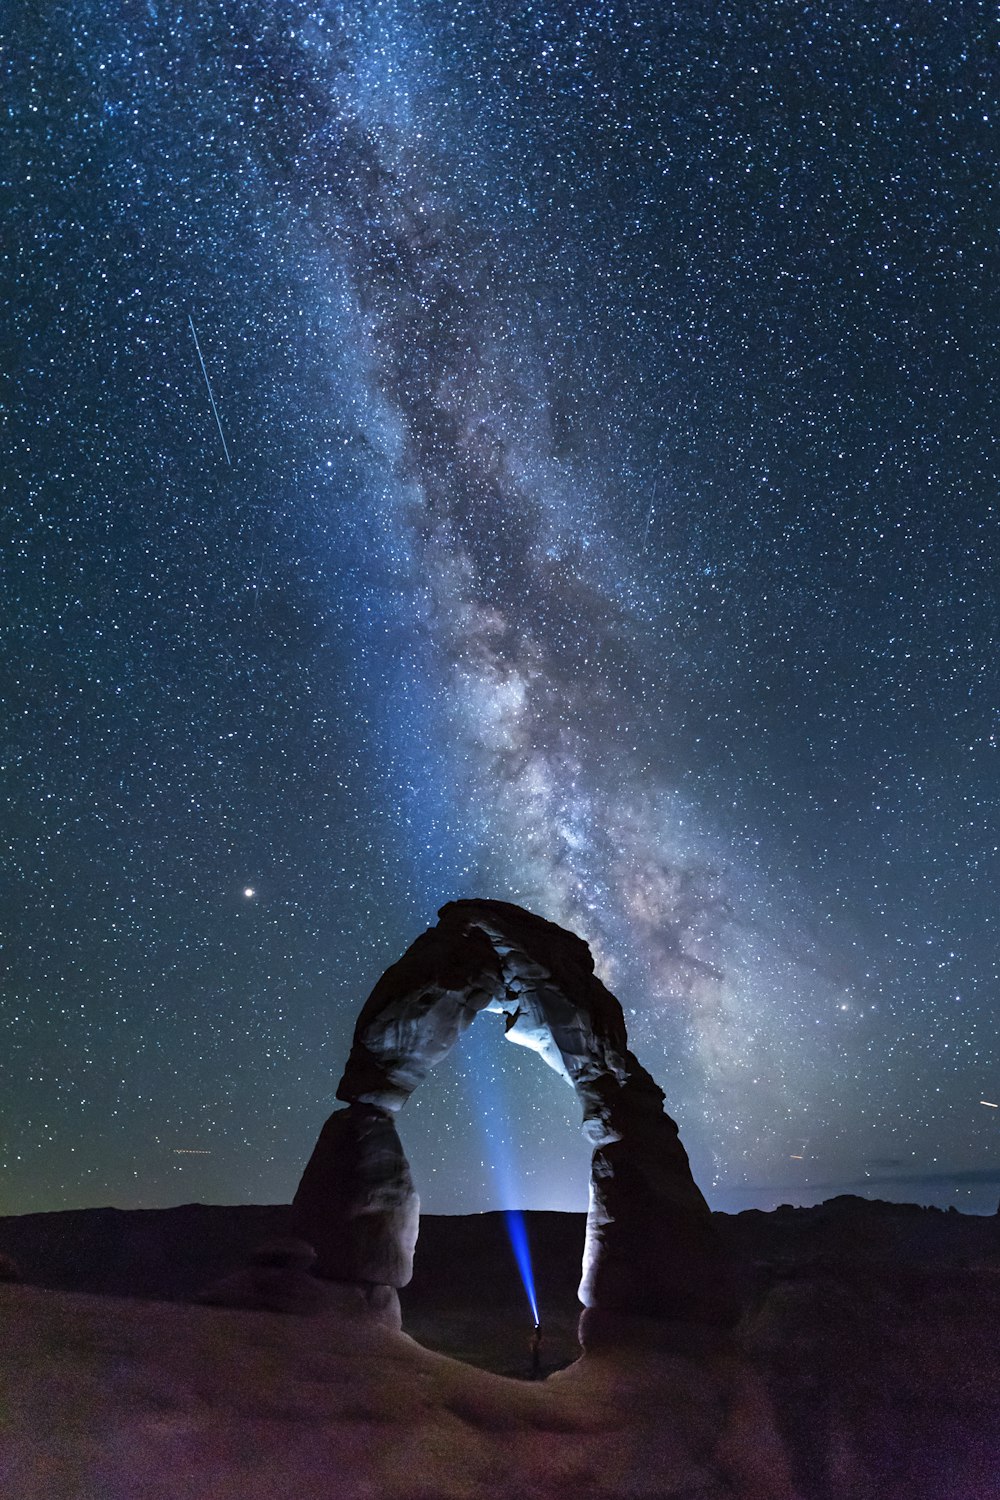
[{"x": 536, "y": 1352}]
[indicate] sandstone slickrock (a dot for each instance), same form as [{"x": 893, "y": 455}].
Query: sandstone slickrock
[{"x": 651, "y": 1248}]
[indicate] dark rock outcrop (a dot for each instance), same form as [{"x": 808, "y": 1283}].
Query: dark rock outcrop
[
  {"x": 278, "y": 1279},
  {"x": 285, "y": 1255},
  {"x": 267, "y": 1288},
  {"x": 651, "y": 1246},
  {"x": 9, "y": 1269}
]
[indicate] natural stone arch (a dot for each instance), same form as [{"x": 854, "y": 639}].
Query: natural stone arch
[{"x": 650, "y": 1247}]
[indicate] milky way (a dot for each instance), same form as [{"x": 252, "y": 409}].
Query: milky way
[{"x": 537, "y": 452}]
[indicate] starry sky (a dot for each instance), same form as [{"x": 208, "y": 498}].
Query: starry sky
[{"x": 533, "y": 450}]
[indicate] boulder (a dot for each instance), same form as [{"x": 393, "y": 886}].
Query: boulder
[
  {"x": 267, "y": 1289},
  {"x": 276, "y": 1280},
  {"x": 285, "y": 1255}
]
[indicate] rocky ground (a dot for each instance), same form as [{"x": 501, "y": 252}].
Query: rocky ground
[{"x": 865, "y": 1365}]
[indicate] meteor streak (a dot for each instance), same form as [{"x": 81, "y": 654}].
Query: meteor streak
[
  {"x": 649, "y": 517},
  {"x": 208, "y": 383}
]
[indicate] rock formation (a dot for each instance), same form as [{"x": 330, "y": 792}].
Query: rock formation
[
  {"x": 650, "y": 1246},
  {"x": 277, "y": 1279},
  {"x": 9, "y": 1269}
]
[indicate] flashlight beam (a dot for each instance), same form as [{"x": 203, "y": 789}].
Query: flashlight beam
[{"x": 518, "y": 1232}]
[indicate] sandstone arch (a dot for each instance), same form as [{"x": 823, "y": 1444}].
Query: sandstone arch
[{"x": 650, "y": 1248}]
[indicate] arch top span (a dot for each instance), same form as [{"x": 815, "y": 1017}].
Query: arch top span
[{"x": 650, "y": 1246}]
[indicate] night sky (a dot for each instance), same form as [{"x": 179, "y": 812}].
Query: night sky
[{"x": 597, "y": 511}]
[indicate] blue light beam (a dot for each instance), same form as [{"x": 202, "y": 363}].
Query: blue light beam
[
  {"x": 486, "y": 1094},
  {"x": 518, "y": 1231}
]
